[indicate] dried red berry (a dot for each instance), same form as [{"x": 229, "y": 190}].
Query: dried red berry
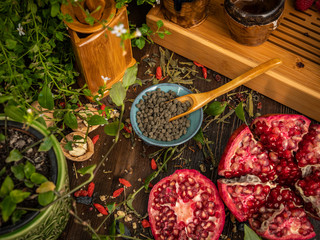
[
  {"x": 125, "y": 182},
  {"x": 101, "y": 208},
  {"x": 102, "y": 108},
  {"x": 127, "y": 129},
  {"x": 117, "y": 192},
  {"x": 145, "y": 223},
  {"x": 62, "y": 104},
  {"x": 158, "y": 73},
  {"x": 91, "y": 189},
  {"x": 153, "y": 164},
  {"x": 95, "y": 139},
  {"x": 81, "y": 193}
]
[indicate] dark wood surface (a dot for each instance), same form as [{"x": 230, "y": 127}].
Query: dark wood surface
[{"x": 131, "y": 162}]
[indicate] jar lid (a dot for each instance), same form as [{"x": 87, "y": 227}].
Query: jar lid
[{"x": 254, "y": 12}]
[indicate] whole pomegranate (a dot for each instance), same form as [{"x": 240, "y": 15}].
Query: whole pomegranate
[
  {"x": 272, "y": 175},
  {"x": 186, "y": 205}
]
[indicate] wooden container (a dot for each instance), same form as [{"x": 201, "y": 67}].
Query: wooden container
[
  {"x": 295, "y": 84},
  {"x": 99, "y": 53},
  {"x": 186, "y": 13}
]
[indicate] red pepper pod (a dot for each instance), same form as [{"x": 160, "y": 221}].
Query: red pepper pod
[
  {"x": 101, "y": 208},
  {"x": 153, "y": 164},
  {"x": 117, "y": 192},
  {"x": 158, "y": 73},
  {"x": 125, "y": 182},
  {"x": 95, "y": 139},
  {"x": 81, "y": 193},
  {"x": 204, "y": 72},
  {"x": 145, "y": 223},
  {"x": 91, "y": 189},
  {"x": 197, "y": 64}
]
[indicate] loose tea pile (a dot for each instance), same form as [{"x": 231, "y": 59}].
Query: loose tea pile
[{"x": 155, "y": 111}]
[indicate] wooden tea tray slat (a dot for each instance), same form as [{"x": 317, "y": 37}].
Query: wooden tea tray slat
[{"x": 296, "y": 40}]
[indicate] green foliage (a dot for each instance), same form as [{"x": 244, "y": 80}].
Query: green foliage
[
  {"x": 216, "y": 108},
  {"x": 240, "y": 112},
  {"x": 249, "y": 234}
]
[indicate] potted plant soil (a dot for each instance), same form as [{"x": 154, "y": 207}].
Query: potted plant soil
[{"x": 33, "y": 172}]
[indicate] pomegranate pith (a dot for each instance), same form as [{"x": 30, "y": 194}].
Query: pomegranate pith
[
  {"x": 185, "y": 205},
  {"x": 292, "y": 147}
]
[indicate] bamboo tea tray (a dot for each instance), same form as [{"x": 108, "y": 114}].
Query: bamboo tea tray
[{"x": 295, "y": 84}]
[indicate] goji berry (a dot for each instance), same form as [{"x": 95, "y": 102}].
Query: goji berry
[
  {"x": 95, "y": 139},
  {"x": 103, "y": 106},
  {"x": 197, "y": 64},
  {"x": 125, "y": 182},
  {"x": 101, "y": 208},
  {"x": 117, "y": 192},
  {"x": 91, "y": 189},
  {"x": 145, "y": 223},
  {"x": 204, "y": 72},
  {"x": 158, "y": 73},
  {"x": 81, "y": 193},
  {"x": 62, "y": 104},
  {"x": 127, "y": 129},
  {"x": 153, "y": 164}
]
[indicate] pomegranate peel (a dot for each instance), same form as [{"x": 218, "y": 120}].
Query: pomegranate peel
[{"x": 186, "y": 205}]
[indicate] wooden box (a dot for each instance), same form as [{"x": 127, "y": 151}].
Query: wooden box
[
  {"x": 296, "y": 83},
  {"x": 100, "y": 54}
]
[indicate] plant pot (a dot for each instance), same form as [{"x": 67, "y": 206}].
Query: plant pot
[{"x": 49, "y": 223}]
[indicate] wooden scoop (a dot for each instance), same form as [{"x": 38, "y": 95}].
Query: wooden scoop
[{"x": 198, "y": 100}]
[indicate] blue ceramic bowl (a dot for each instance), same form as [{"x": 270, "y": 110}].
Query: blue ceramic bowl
[{"x": 195, "y": 117}]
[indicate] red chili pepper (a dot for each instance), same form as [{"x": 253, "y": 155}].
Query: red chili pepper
[
  {"x": 101, "y": 208},
  {"x": 117, "y": 192},
  {"x": 127, "y": 129},
  {"x": 145, "y": 223},
  {"x": 197, "y": 64},
  {"x": 81, "y": 193},
  {"x": 153, "y": 164},
  {"x": 158, "y": 73},
  {"x": 62, "y": 104},
  {"x": 91, "y": 189},
  {"x": 95, "y": 139},
  {"x": 204, "y": 72},
  {"x": 125, "y": 182}
]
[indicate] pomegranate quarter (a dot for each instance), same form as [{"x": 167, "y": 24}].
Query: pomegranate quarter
[
  {"x": 186, "y": 205},
  {"x": 272, "y": 176}
]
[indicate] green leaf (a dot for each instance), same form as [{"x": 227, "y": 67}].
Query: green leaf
[
  {"x": 199, "y": 137},
  {"x": 111, "y": 207},
  {"x": 118, "y": 93},
  {"x": 68, "y": 146},
  {"x": 6, "y": 187},
  {"x": 14, "y": 113},
  {"x": 161, "y": 35},
  {"x": 148, "y": 180},
  {"x": 14, "y": 156},
  {"x": 87, "y": 170},
  {"x": 11, "y": 44},
  {"x": 2, "y": 137},
  {"x": 7, "y": 208},
  {"x": 5, "y": 98},
  {"x": 112, "y": 229},
  {"x": 130, "y": 75},
  {"x": 70, "y": 120},
  {"x": 216, "y": 108},
  {"x": 45, "y": 198},
  {"x": 159, "y": 23},
  {"x": 28, "y": 183},
  {"x": 29, "y": 169},
  {"x": 38, "y": 178},
  {"x": 111, "y": 129},
  {"x": 17, "y": 196},
  {"x": 59, "y": 36},
  {"x": 3, "y": 171},
  {"x": 97, "y": 120},
  {"x": 18, "y": 171},
  {"x": 32, "y": 7},
  {"x": 249, "y": 234},
  {"x": 45, "y": 98},
  {"x": 55, "y": 9},
  {"x": 140, "y": 42},
  {"x": 90, "y": 20},
  {"x": 45, "y": 145},
  {"x": 17, "y": 214},
  {"x": 46, "y": 187},
  {"x": 240, "y": 113},
  {"x": 121, "y": 228}
]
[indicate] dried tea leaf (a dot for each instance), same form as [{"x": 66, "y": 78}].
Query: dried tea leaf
[
  {"x": 167, "y": 54},
  {"x": 162, "y": 61},
  {"x": 249, "y": 105},
  {"x": 187, "y": 63},
  {"x": 226, "y": 116}
]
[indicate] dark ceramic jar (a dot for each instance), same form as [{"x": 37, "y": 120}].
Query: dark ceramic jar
[
  {"x": 186, "y": 13},
  {"x": 250, "y": 22}
]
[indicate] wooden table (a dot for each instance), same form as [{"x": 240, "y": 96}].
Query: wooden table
[{"x": 131, "y": 162}]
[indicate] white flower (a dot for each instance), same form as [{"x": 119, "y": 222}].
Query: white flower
[
  {"x": 105, "y": 79},
  {"x": 20, "y": 30},
  {"x": 138, "y": 33},
  {"x": 119, "y": 30},
  {"x": 158, "y": 1},
  {"x": 29, "y": 111}
]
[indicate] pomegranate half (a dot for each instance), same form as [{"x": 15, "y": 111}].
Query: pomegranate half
[
  {"x": 186, "y": 205},
  {"x": 265, "y": 166}
]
